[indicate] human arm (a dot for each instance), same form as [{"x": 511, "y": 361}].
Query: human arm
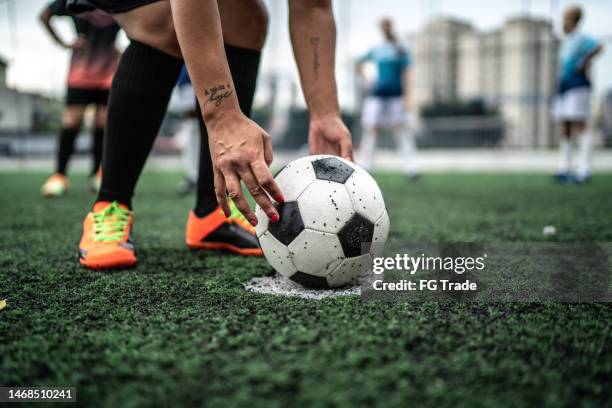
[
  {"x": 588, "y": 59},
  {"x": 240, "y": 150},
  {"x": 45, "y": 18},
  {"x": 313, "y": 36}
]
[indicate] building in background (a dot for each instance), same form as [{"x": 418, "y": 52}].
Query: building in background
[
  {"x": 20, "y": 112},
  {"x": 512, "y": 69}
]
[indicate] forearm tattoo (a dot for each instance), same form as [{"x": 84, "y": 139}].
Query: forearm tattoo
[
  {"x": 314, "y": 42},
  {"x": 216, "y": 94}
]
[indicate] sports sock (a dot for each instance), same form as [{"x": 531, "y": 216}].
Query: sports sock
[
  {"x": 367, "y": 148},
  {"x": 244, "y": 66},
  {"x": 138, "y": 100},
  {"x": 404, "y": 140},
  {"x": 96, "y": 149},
  {"x": 67, "y": 138},
  {"x": 565, "y": 155},
  {"x": 188, "y": 134},
  {"x": 584, "y": 141}
]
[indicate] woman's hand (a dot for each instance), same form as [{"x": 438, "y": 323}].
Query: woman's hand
[
  {"x": 329, "y": 135},
  {"x": 241, "y": 150}
]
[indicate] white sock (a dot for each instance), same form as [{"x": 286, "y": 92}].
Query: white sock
[
  {"x": 189, "y": 136},
  {"x": 406, "y": 143},
  {"x": 565, "y": 155},
  {"x": 366, "y": 151},
  {"x": 584, "y": 154}
]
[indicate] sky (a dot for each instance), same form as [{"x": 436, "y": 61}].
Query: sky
[{"x": 37, "y": 64}]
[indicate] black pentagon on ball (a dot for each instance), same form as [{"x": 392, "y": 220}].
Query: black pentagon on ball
[
  {"x": 290, "y": 224},
  {"x": 309, "y": 281},
  {"x": 356, "y": 236},
  {"x": 332, "y": 169}
]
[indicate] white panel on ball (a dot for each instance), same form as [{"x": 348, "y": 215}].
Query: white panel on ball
[
  {"x": 381, "y": 232},
  {"x": 295, "y": 177},
  {"x": 349, "y": 270},
  {"x": 262, "y": 221},
  {"x": 366, "y": 195},
  {"x": 325, "y": 206},
  {"x": 277, "y": 254},
  {"x": 312, "y": 252}
]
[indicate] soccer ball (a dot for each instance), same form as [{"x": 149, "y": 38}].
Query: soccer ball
[{"x": 332, "y": 224}]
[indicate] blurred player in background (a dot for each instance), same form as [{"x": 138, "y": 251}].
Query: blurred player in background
[
  {"x": 187, "y": 136},
  {"x": 387, "y": 107},
  {"x": 93, "y": 64},
  {"x": 571, "y": 105}
]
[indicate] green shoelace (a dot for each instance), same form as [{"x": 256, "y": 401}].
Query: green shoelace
[
  {"x": 110, "y": 224},
  {"x": 237, "y": 215}
]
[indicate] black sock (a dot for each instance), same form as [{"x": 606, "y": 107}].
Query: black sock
[
  {"x": 96, "y": 149},
  {"x": 244, "y": 66},
  {"x": 67, "y": 138},
  {"x": 138, "y": 100}
]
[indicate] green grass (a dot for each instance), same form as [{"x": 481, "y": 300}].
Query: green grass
[{"x": 180, "y": 330}]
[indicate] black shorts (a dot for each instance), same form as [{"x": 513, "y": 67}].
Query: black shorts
[
  {"x": 76, "y": 96},
  {"x": 110, "y": 6}
]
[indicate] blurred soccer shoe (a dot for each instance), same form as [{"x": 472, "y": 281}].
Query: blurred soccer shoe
[
  {"x": 218, "y": 232},
  {"x": 583, "y": 179},
  {"x": 565, "y": 177},
  {"x": 106, "y": 242},
  {"x": 55, "y": 186},
  {"x": 96, "y": 181}
]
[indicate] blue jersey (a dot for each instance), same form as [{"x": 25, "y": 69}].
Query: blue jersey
[
  {"x": 391, "y": 60},
  {"x": 574, "y": 49}
]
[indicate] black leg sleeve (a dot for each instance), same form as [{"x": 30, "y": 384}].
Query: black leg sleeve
[
  {"x": 65, "y": 149},
  {"x": 138, "y": 100},
  {"x": 96, "y": 149}
]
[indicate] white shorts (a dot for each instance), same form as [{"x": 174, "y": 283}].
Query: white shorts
[
  {"x": 380, "y": 112},
  {"x": 573, "y": 105}
]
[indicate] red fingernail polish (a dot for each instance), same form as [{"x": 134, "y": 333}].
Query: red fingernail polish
[
  {"x": 253, "y": 222},
  {"x": 274, "y": 218},
  {"x": 280, "y": 199}
]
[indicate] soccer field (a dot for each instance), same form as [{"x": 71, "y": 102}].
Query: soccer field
[{"x": 181, "y": 330}]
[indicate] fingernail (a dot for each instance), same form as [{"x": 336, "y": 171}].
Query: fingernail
[
  {"x": 274, "y": 218},
  {"x": 253, "y": 221},
  {"x": 280, "y": 199}
]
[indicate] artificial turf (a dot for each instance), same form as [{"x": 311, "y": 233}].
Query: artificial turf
[{"x": 179, "y": 330}]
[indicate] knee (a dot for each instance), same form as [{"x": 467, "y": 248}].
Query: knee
[
  {"x": 101, "y": 117},
  {"x": 167, "y": 40},
  {"x": 244, "y": 22},
  {"x": 259, "y": 21},
  {"x": 71, "y": 120}
]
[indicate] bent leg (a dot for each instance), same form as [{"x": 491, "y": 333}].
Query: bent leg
[
  {"x": 71, "y": 124},
  {"x": 584, "y": 140},
  {"x": 98, "y": 138},
  {"x": 565, "y": 149},
  {"x": 139, "y": 96}
]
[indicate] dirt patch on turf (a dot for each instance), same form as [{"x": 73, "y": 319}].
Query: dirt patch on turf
[{"x": 277, "y": 285}]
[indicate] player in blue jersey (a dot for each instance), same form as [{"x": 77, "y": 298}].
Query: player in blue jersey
[
  {"x": 387, "y": 106},
  {"x": 572, "y": 101}
]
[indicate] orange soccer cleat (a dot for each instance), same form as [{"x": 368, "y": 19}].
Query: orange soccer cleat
[
  {"x": 106, "y": 242},
  {"x": 218, "y": 232},
  {"x": 55, "y": 186}
]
